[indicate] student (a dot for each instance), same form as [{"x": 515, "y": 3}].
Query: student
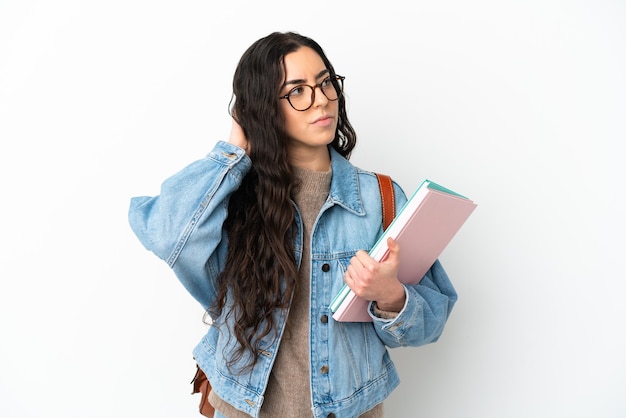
[{"x": 264, "y": 231}]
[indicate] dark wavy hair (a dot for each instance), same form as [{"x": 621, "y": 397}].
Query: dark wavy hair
[{"x": 260, "y": 272}]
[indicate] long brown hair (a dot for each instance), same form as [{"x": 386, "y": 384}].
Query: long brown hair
[{"x": 260, "y": 271}]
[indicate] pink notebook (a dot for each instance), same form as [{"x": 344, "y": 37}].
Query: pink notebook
[{"x": 423, "y": 228}]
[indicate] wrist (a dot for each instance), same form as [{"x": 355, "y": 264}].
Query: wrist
[{"x": 395, "y": 302}]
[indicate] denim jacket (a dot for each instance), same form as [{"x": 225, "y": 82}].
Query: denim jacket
[{"x": 351, "y": 370}]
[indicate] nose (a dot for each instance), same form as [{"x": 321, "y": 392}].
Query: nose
[{"x": 319, "y": 98}]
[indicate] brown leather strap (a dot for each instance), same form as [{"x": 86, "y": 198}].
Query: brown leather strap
[
  {"x": 387, "y": 197},
  {"x": 202, "y": 385}
]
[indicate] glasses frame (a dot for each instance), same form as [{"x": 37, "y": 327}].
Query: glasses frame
[{"x": 337, "y": 81}]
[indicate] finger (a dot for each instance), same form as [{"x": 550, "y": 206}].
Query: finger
[
  {"x": 237, "y": 136},
  {"x": 357, "y": 263},
  {"x": 394, "y": 250},
  {"x": 366, "y": 262},
  {"x": 349, "y": 278}
]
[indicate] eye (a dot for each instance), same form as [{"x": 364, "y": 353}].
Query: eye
[
  {"x": 296, "y": 91},
  {"x": 327, "y": 82}
]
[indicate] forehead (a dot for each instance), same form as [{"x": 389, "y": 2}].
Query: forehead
[{"x": 303, "y": 63}]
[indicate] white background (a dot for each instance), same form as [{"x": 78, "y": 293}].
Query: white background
[{"x": 519, "y": 105}]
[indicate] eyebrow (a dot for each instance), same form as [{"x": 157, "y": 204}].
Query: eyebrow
[{"x": 301, "y": 81}]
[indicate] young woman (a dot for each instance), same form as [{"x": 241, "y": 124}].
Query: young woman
[{"x": 264, "y": 231}]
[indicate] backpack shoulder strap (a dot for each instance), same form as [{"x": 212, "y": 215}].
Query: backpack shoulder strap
[{"x": 387, "y": 197}]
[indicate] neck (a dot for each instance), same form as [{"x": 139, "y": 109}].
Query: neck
[{"x": 315, "y": 160}]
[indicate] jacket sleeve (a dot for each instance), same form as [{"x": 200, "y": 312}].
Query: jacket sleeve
[
  {"x": 183, "y": 224},
  {"x": 425, "y": 312}
]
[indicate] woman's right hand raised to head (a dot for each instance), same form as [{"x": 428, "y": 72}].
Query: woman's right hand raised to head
[{"x": 238, "y": 138}]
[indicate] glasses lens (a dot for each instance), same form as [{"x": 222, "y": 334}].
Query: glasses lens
[
  {"x": 300, "y": 97},
  {"x": 331, "y": 87}
]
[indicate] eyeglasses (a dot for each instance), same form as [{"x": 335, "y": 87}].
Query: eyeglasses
[{"x": 302, "y": 96}]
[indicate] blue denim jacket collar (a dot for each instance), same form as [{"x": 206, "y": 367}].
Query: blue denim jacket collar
[{"x": 344, "y": 187}]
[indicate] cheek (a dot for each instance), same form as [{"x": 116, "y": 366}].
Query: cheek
[{"x": 293, "y": 125}]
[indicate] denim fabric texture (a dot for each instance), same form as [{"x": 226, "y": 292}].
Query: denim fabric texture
[{"x": 351, "y": 367}]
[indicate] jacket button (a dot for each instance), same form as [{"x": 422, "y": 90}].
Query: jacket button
[
  {"x": 331, "y": 415},
  {"x": 324, "y": 369},
  {"x": 324, "y": 319},
  {"x": 325, "y": 267}
]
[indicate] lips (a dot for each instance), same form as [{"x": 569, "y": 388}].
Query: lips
[{"x": 324, "y": 120}]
